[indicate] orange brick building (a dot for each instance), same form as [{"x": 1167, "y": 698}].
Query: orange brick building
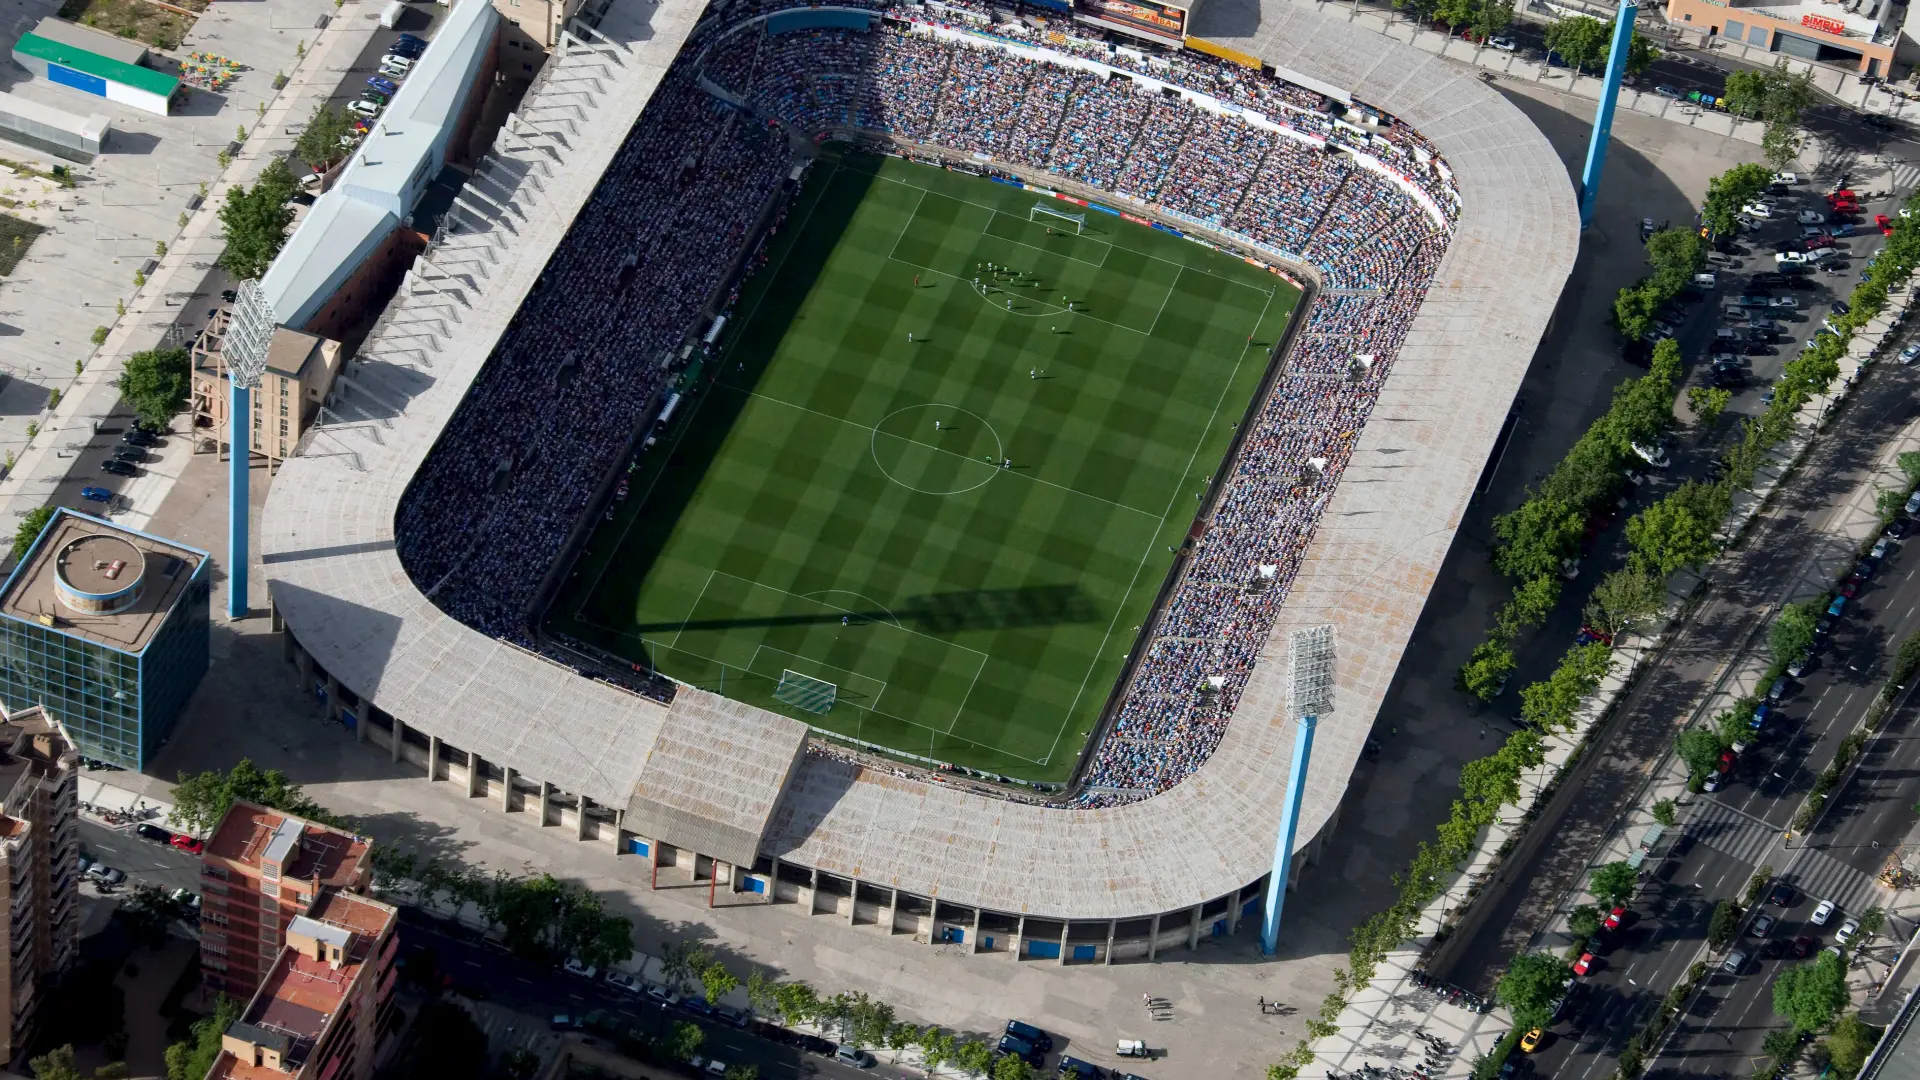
[{"x": 260, "y": 871}]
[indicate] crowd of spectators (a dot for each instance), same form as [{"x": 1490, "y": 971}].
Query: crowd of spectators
[
  {"x": 518, "y": 463},
  {"x": 583, "y": 359}
]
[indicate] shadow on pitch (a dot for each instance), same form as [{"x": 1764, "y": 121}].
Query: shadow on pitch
[{"x": 934, "y": 613}]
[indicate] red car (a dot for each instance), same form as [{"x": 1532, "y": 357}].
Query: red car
[
  {"x": 1614, "y": 918},
  {"x": 190, "y": 844},
  {"x": 1726, "y": 761},
  {"x": 1584, "y": 964},
  {"x": 1815, "y": 243},
  {"x": 1850, "y": 586},
  {"x": 1885, "y": 223}
]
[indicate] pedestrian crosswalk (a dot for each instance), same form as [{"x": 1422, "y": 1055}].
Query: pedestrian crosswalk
[
  {"x": 1729, "y": 831},
  {"x": 1822, "y": 877}
]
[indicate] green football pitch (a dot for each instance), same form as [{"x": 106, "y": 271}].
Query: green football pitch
[{"x": 944, "y": 546}]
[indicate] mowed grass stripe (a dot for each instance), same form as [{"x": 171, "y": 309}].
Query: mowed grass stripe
[{"x": 776, "y": 507}]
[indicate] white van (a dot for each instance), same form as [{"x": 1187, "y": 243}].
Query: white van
[{"x": 391, "y": 15}]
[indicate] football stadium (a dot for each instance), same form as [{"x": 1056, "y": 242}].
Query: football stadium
[{"x": 888, "y": 457}]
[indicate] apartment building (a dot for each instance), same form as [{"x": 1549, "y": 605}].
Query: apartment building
[
  {"x": 262, "y": 871},
  {"x": 320, "y": 1007},
  {"x": 39, "y": 865}
]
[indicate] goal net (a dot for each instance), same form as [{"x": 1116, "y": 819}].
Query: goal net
[
  {"x": 1047, "y": 215},
  {"x": 805, "y": 692}
]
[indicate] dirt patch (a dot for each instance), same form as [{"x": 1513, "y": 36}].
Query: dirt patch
[
  {"x": 16, "y": 236},
  {"x": 162, "y": 27}
]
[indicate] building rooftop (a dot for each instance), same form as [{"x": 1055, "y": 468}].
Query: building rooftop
[
  {"x": 82, "y": 550},
  {"x": 31, "y": 745},
  {"x": 352, "y": 912},
  {"x": 1856, "y": 19},
  {"x": 250, "y": 835}
]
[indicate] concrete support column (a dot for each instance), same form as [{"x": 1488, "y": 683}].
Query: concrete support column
[
  {"x": 476, "y": 775},
  {"x": 812, "y": 891},
  {"x": 1019, "y": 937},
  {"x": 1064, "y": 928},
  {"x": 853, "y": 901},
  {"x": 580, "y": 823},
  {"x": 433, "y": 758},
  {"x": 1153, "y": 940},
  {"x": 773, "y": 878},
  {"x": 396, "y": 739},
  {"x": 546, "y": 803},
  {"x": 1233, "y": 912},
  {"x": 506, "y": 790},
  {"x": 365, "y": 722},
  {"x": 887, "y": 912},
  {"x": 653, "y": 864},
  {"x": 303, "y": 666},
  {"x": 1193, "y": 927},
  {"x": 973, "y": 934},
  {"x": 1107, "y": 958},
  {"x": 333, "y": 698},
  {"x": 619, "y": 820}
]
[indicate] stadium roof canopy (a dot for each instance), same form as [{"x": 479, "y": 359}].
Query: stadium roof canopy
[
  {"x": 338, "y": 583},
  {"x": 392, "y": 167}
]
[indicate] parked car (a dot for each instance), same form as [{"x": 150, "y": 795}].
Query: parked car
[
  {"x": 581, "y": 968},
  {"x": 363, "y": 108},
  {"x": 1783, "y": 895},
  {"x": 138, "y": 437},
  {"x": 662, "y": 994},
  {"x": 1802, "y": 945},
  {"x": 103, "y": 874},
  {"x": 1810, "y": 217},
  {"x": 1666, "y": 91},
  {"x": 1761, "y": 926},
  {"x": 1821, "y": 913},
  {"x": 1615, "y": 918},
  {"x": 848, "y": 1054},
  {"x": 1908, "y": 354},
  {"x": 1897, "y": 528},
  {"x": 153, "y": 832},
  {"x": 1779, "y": 689},
  {"x": 1504, "y": 44},
  {"x": 192, "y": 845},
  {"x": 1882, "y": 548},
  {"x": 385, "y": 86},
  {"x": 1787, "y": 302},
  {"x": 1734, "y": 963},
  {"x": 626, "y": 981},
  {"x": 1030, "y": 1034},
  {"x": 1758, "y": 209},
  {"x": 1839, "y": 605},
  {"x": 96, "y": 494},
  {"x": 1845, "y": 935},
  {"x": 1655, "y": 455},
  {"x": 1531, "y": 1040}
]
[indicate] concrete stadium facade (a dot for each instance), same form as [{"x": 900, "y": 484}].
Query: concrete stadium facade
[{"x": 730, "y": 795}]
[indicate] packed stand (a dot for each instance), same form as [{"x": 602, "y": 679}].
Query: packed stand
[{"x": 568, "y": 382}]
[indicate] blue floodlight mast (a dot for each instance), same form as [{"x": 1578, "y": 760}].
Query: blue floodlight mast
[
  {"x": 1603, "y": 116},
  {"x": 1310, "y": 696},
  {"x": 244, "y": 351}
]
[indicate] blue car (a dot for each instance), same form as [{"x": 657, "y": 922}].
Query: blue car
[
  {"x": 1839, "y": 604},
  {"x": 1759, "y": 717},
  {"x": 385, "y": 86},
  {"x": 96, "y": 494}
]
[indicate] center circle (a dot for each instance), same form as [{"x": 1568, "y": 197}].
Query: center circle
[{"x": 962, "y": 454}]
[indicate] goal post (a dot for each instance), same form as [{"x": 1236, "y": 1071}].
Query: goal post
[
  {"x": 1047, "y": 215},
  {"x": 806, "y": 693}
]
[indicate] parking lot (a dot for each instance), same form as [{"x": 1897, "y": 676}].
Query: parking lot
[{"x": 1799, "y": 252}]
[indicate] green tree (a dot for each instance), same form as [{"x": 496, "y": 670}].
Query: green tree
[
  {"x": 1707, "y": 403},
  {"x": 1887, "y": 503},
  {"x": 1665, "y": 813},
  {"x": 742, "y": 1072},
  {"x": 254, "y": 221},
  {"x": 1757, "y": 884},
  {"x": 1012, "y": 1068},
  {"x": 1792, "y": 631},
  {"x": 1810, "y": 995},
  {"x": 1871, "y": 922},
  {"x": 1634, "y": 307},
  {"x": 1491, "y": 662},
  {"x": 974, "y": 1057},
  {"x": 1530, "y": 986},
  {"x": 1723, "y": 924},
  {"x": 319, "y": 144},
  {"x": 1700, "y": 749},
  {"x": 1909, "y": 462},
  {"x": 1670, "y": 535},
  {"x": 1849, "y": 1043},
  {"x": 1584, "y": 921},
  {"x": 1782, "y": 1045},
  {"x": 199, "y": 802},
  {"x": 1625, "y": 599},
  {"x": 1730, "y": 726},
  {"x": 1614, "y": 883},
  {"x": 1730, "y": 191},
  {"x": 717, "y": 982},
  {"x": 1581, "y": 41},
  {"x": 1676, "y": 255},
  {"x": 1533, "y": 601},
  {"x": 684, "y": 1041},
  {"x": 55, "y": 1064},
  {"x": 796, "y": 1003},
  {"x": 1780, "y": 144},
  {"x": 155, "y": 382},
  {"x": 1535, "y": 536},
  {"x": 29, "y": 530}
]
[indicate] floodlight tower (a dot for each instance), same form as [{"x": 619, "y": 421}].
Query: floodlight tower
[
  {"x": 244, "y": 351},
  {"x": 1603, "y": 115},
  {"x": 1309, "y": 695}
]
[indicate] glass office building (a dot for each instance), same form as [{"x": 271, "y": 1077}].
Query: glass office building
[{"x": 106, "y": 628}]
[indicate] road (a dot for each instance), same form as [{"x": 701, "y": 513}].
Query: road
[
  {"x": 541, "y": 991},
  {"x": 1729, "y": 834},
  {"x": 144, "y": 861}
]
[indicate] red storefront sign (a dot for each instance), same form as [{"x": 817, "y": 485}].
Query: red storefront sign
[{"x": 1824, "y": 24}]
